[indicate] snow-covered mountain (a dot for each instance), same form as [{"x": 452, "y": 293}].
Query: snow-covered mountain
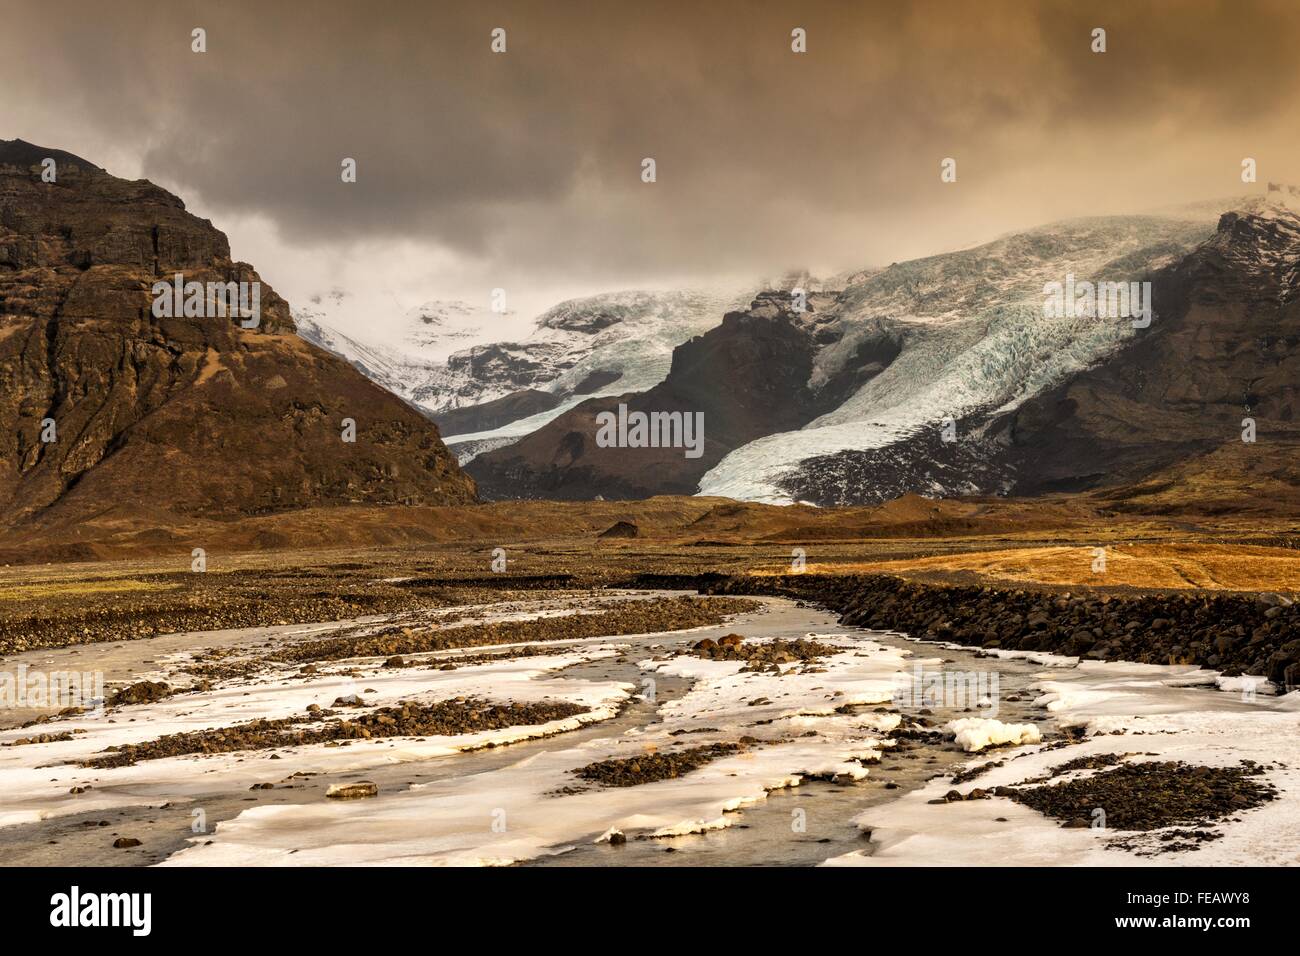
[
  {"x": 403, "y": 354},
  {"x": 486, "y": 391},
  {"x": 890, "y": 380},
  {"x": 973, "y": 338},
  {"x": 436, "y": 328},
  {"x": 621, "y": 340},
  {"x": 844, "y": 400},
  {"x": 600, "y": 345}
]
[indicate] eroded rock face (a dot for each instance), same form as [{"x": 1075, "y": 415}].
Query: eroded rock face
[{"x": 191, "y": 415}]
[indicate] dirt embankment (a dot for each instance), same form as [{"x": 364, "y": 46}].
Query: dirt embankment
[{"x": 1256, "y": 634}]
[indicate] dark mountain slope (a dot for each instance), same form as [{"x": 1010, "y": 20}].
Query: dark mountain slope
[
  {"x": 1224, "y": 347},
  {"x": 192, "y": 415}
]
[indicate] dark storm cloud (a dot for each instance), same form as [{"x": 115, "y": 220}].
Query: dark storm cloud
[{"x": 764, "y": 157}]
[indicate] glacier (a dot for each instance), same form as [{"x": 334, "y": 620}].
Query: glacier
[{"x": 974, "y": 340}]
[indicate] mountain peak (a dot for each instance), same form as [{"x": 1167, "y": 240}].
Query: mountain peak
[
  {"x": 22, "y": 154},
  {"x": 1279, "y": 200},
  {"x": 1263, "y": 233}
]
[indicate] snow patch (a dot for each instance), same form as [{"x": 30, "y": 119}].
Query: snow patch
[{"x": 975, "y": 733}]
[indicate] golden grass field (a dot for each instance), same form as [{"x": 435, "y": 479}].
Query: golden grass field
[
  {"x": 1157, "y": 566},
  {"x": 1048, "y": 542},
  {"x": 41, "y": 591}
]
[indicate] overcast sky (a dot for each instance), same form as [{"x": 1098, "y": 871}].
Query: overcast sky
[{"x": 522, "y": 170}]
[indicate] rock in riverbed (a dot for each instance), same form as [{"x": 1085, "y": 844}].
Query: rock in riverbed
[
  {"x": 143, "y": 692},
  {"x": 352, "y": 791}
]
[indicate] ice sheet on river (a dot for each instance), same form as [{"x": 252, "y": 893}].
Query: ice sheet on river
[
  {"x": 1162, "y": 713},
  {"x": 537, "y": 806},
  {"x": 35, "y": 779}
]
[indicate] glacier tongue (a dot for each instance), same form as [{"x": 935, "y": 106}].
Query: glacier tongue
[
  {"x": 992, "y": 362},
  {"x": 981, "y": 343}
]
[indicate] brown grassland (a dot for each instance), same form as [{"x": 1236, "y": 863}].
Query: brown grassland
[{"x": 109, "y": 580}]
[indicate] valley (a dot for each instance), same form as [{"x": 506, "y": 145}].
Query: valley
[
  {"x": 678, "y": 578},
  {"x": 731, "y": 439}
]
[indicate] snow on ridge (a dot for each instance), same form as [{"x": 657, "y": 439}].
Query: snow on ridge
[
  {"x": 378, "y": 363},
  {"x": 450, "y": 354},
  {"x": 399, "y": 360},
  {"x": 438, "y": 328},
  {"x": 1280, "y": 201},
  {"x": 629, "y": 334}
]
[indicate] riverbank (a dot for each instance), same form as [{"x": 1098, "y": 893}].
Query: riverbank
[{"x": 1252, "y": 635}]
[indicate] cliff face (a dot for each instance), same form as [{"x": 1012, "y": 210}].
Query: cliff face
[{"x": 193, "y": 415}]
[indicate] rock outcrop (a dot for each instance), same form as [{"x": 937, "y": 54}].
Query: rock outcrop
[
  {"x": 107, "y": 407},
  {"x": 1235, "y": 633}
]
